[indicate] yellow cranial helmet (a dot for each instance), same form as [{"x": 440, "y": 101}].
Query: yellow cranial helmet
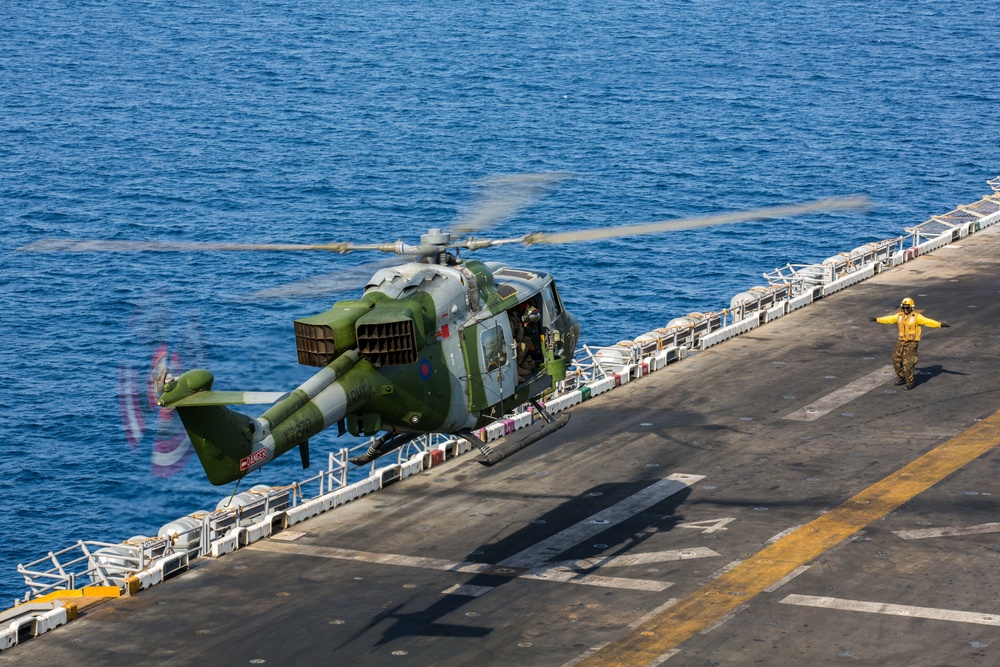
[{"x": 907, "y": 303}]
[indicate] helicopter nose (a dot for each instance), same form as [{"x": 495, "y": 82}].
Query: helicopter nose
[{"x": 572, "y": 331}]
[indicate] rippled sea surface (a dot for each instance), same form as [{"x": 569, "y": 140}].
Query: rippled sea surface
[{"x": 304, "y": 122}]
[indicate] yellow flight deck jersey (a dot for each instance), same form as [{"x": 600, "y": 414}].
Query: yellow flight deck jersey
[{"x": 909, "y": 325}]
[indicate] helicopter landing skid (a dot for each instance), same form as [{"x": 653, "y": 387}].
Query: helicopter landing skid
[
  {"x": 546, "y": 415},
  {"x": 492, "y": 455}
]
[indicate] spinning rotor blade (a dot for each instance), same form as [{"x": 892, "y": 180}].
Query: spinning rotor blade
[
  {"x": 345, "y": 280},
  {"x": 503, "y": 196},
  {"x": 73, "y": 245},
  {"x": 830, "y": 204}
]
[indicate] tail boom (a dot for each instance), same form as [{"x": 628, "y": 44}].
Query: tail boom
[{"x": 230, "y": 444}]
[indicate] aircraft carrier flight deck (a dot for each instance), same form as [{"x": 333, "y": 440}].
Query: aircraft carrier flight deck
[{"x": 776, "y": 500}]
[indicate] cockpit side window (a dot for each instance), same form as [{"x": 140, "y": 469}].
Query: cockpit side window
[{"x": 553, "y": 307}]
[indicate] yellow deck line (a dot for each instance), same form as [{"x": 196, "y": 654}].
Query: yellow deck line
[
  {"x": 86, "y": 591},
  {"x": 650, "y": 640}
]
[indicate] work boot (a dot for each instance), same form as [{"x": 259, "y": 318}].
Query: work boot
[
  {"x": 910, "y": 385},
  {"x": 900, "y": 381}
]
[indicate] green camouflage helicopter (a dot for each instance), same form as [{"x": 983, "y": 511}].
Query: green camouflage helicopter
[{"x": 438, "y": 344}]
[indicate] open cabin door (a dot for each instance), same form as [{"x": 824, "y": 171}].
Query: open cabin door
[{"x": 490, "y": 361}]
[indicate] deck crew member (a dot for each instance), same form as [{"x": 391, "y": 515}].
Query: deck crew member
[{"x": 904, "y": 357}]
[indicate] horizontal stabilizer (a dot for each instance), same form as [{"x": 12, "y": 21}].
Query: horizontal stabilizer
[{"x": 203, "y": 398}]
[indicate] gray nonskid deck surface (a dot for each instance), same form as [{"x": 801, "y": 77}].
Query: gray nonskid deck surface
[{"x": 647, "y": 494}]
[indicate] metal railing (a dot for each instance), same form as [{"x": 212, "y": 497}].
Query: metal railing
[{"x": 91, "y": 563}]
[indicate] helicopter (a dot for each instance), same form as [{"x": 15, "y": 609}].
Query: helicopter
[{"x": 436, "y": 344}]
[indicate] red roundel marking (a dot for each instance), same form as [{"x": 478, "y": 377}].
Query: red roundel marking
[{"x": 425, "y": 369}]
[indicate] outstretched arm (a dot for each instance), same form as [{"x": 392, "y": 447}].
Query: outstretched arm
[{"x": 928, "y": 322}]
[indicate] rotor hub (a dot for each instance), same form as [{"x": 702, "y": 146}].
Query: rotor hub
[{"x": 435, "y": 237}]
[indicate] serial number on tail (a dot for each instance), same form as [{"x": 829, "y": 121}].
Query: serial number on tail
[{"x": 253, "y": 459}]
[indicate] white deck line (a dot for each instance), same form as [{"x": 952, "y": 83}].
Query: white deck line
[
  {"x": 893, "y": 609},
  {"x": 540, "y": 573},
  {"x": 464, "y": 567},
  {"x": 571, "y": 577},
  {"x": 947, "y": 531},
  {"x": 467, "y": 590},
  {"x": 844, "y": 395},
  {"x": 637, "y": 559},
  {"x": 598, "y": 523}
]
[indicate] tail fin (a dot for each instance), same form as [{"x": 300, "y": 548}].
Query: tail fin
[{"x": 221, "y": 437}]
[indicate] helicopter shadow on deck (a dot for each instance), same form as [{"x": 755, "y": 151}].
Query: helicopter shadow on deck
[
  {"x": 620, "y": 538},
  {"x": 670, "y": 426}
]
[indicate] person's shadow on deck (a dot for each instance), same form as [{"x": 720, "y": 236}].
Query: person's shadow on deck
[{"x": 927, "y": 374}]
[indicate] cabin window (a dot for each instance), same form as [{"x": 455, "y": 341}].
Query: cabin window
[{"x": 494, "y": 348}]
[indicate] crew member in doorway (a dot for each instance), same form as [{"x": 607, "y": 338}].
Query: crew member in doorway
[
  {"x": 904, "y": 357},
  {"x": 524, "y": 326}
]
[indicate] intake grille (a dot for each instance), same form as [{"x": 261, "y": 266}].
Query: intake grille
[
  {"x": 387, "y": 343},
  {"x": 315, "y": 344}
]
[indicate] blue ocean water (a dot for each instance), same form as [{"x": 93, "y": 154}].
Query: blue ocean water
[{"x": 304, "y": 121}]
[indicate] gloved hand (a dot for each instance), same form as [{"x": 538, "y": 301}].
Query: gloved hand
[
  {"x": 875, "y": 319},
  {"x": 945, "y": 324}
]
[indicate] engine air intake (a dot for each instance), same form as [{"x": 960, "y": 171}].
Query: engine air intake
[
  {"x": 387, "y": 343},
  {"x": 315, "y": 344}
]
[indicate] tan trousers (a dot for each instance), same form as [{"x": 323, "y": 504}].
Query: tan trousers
[{"x": 904, "y": 359}]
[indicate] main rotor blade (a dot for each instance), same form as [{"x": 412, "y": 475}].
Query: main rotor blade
[
  {"x": 830, "y": 204},
  {"x": 345, "y": 280},
  {"x": 74, "y": 245},
  {"x": 503, "y": 196}
]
